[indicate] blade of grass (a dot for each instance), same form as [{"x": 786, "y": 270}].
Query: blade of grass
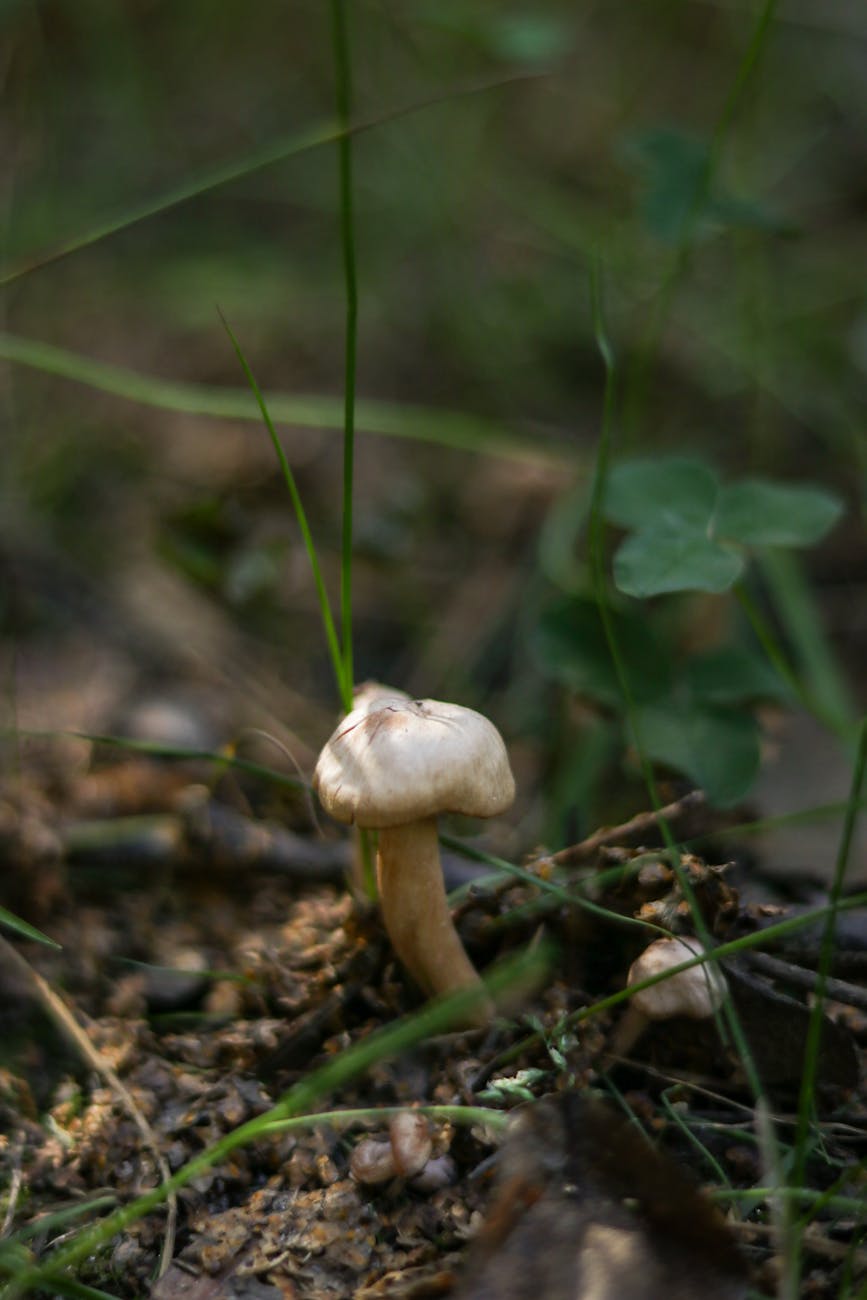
[
  {"x": 334, "y": 650},
  {"x": 379, "y": 1114},
  {"x": 277, "y": 151},
  {"x": 180, "y": 754},
  {"x": 797, "y": 1177},
  {"x": 833, "y": 717},
  {"x": 343, "y": 95},
  {"x": 27, "y": 931},
  {"x": 274, "y": 152},
  {"x": 784, "y": 576},
  {"x": 392, "y": 420},
  {"x": 80, "y": 1291},
  {"x": 49, "y": 1223},
  {"x": 692, "y": 1137}
]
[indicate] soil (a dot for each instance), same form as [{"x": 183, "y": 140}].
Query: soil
[{"x": 214, "y": 958}]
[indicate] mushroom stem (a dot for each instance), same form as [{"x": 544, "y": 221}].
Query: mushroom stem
[
  {"x": 628, "y": 1031},
  {"x": 416, "y": 913}
]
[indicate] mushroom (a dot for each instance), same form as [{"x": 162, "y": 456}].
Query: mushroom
[
  {"x": 697, "y": 993},
  {"x": 393, "y": 765},
  {"x": 404, "y": 1155}
]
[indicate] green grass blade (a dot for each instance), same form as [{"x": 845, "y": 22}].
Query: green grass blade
[
  {"x": 343, "y": 91},
  {"x": 795, "y": 606},
  {"x": 826, "y": 955},
  {"x": 392, "y": 420},
  {"x": 277, "y": 151},
  {"x": 301, "y": 516},
  {"x": 47, "y": 1225},
  {"x": 27, "y": 931}
]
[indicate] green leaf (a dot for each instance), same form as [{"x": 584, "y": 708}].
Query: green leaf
[
  {"x": 664, "y": 489},
  {"x": 21, "y": 927},
  {"x": 676, "y": 202},
  {"x": 758, "y": 512},
  {"x": 674, "y": 166},
  {"x": 733, "y": 675},
  {"x": 571, "y": 644},
  {"x": 669, "y": 558},
  {"x": 717, "y": 748},
  {"x": 528, "y": 37}
]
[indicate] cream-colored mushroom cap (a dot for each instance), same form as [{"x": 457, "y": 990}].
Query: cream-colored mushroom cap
[
  {"x": 394, "y": 761},
  {"x": 696, "y": 993}
]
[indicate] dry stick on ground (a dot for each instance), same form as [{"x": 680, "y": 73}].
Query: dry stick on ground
[
  {"x": 605, "y": 837},
  {"x": 66, "y": 1022},
  {"x": 208, "y": 833},
  {"x": 837, "y": 990},
  {"x": 813, "y": 1239},
  {"x": 637, "y": 826}
]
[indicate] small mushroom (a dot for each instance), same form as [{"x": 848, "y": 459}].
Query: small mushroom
[
  {"x": 696, "y": 994},
  {"x": 372, "y": 1162},
  {"x": 439, "y": 1172},
  {"x": 393, "y": 765},
  {"x": 409, "y": 1134},
  {"x": 404, "y": 1155}
]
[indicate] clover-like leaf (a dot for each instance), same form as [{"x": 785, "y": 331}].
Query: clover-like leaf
[
  {"x": 674, "y": 166},
  {"x": 718, "y": 748},
  {"x": 733, "y": 675},
  {"x": 667, "y": 558},
  {"x": 572, "y": 647},
  {"x": 673, "y": 490},
  {"x": 757, "y": 512}
]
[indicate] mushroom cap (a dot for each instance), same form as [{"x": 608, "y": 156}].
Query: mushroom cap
[
  {"x": 371, "y": 695},
  {"x": 411, "y": 1145},
  {"x": 394, "y": 760},
  {"x": 696, "y": 993}
]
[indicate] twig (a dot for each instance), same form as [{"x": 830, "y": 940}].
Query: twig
[
  {"x": 838, "y": 990},
  {"x": 205, "y": 832},
  {"x": 66, "y": 1022},
  {"x": 813, "y": 1238},
  {"x": 635, "y": 827}
]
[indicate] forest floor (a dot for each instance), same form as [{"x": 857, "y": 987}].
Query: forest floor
[{"x": 213, "y": 960}]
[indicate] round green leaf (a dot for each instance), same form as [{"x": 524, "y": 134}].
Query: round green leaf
[
  {"x": 734, "y": 675},
  {"x": 758, "y": 512},
  {"x": 662, "y": 559},
  {"x": 570, "y": 642},
  {"x": 658, "y": 490},
  {"x": 717, "y": 748}
]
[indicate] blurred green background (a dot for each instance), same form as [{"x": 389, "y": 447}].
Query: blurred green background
[{"x": 166, "y": 160}]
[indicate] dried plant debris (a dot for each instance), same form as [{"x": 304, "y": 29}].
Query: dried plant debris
[{"x": 325, "y": 1241}]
